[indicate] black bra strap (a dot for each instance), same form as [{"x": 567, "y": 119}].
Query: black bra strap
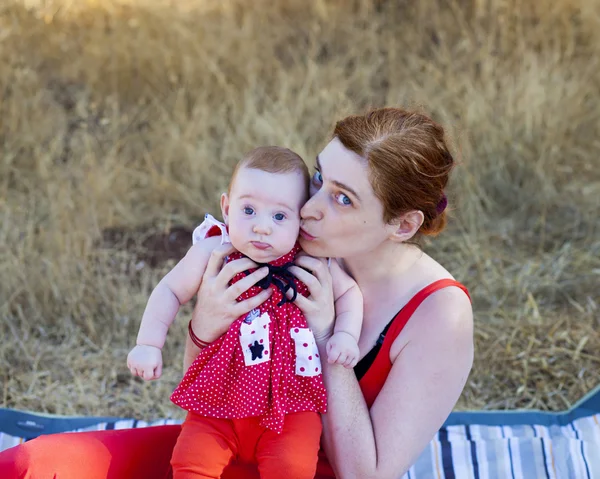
[{"x": 367, "y": 361}]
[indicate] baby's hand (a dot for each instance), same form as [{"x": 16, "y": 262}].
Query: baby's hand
[
  {"x": 342, "y": 349},
  {"x": 145, "y": 361}
]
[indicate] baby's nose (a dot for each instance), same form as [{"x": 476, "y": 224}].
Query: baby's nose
[{"x": 261, "y": 228}]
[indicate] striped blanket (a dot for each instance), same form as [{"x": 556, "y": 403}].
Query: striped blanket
[{"x": 470, "y": 445}]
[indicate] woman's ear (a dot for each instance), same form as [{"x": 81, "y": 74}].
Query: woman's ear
[
  {"x": 406, "y": 226},
  {"x": 225, "y": 208}
]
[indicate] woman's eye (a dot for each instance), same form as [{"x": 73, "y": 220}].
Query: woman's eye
[
  {"x": 279, "y": 216},
  {"x": 248, "y": 210},
  {"x": 317, "y": 178},
  {"x": 342, "y": 199}
]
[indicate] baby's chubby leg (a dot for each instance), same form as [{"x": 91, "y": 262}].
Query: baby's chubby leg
[
  {"x": 204, "y": 448},
  {"x": 293, "y": 453}
]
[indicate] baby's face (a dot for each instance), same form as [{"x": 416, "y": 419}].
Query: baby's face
[{"x": 263, "y": 212}]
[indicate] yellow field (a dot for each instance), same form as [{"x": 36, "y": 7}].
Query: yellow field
[{"x": 120, "y": 120}]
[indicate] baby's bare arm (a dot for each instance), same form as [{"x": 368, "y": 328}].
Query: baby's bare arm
[
  {"x": 348, "y": 302},
  {"x": 174, "y": 290}
]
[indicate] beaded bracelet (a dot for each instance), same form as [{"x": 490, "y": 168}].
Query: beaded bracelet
[{"x": 195, "y": 339}]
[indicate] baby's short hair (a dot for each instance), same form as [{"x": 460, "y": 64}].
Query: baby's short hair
[{"x": 272, "y": 159}]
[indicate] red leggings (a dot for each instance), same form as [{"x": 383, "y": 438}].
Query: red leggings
[
  {"x": 207, "y": 445},
  {"x": 122, "y": 454}
]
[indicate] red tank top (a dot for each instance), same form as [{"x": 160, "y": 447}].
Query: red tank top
[{"x": 375, "y": 377}]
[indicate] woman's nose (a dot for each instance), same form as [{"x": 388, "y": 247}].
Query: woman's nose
[{"x": 312, "y": 209}]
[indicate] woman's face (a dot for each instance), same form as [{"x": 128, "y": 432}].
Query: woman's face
[{"x": 343, "y": 217}]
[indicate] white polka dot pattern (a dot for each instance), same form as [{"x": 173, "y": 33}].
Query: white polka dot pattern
[
  {"x": 219, "y": 383},
  {"x": 308, "y": 362}
]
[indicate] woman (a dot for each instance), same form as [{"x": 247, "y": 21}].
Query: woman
[{"x": 378, "y": 185}]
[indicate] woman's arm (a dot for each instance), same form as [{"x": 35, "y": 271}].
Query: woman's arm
[
  {"x": 190, "y": 354},
  {"x": 427, "y": 377}
]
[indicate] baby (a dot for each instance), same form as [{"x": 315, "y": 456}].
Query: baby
[{"x": 256, "y": 392}]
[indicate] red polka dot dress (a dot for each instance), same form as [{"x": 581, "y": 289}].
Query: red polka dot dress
[{"x": 266, "y": 364}]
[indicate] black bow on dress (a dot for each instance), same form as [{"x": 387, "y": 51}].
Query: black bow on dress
[{"x": 277, "y": 275}]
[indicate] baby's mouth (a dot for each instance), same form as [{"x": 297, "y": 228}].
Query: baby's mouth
[{"x": 260, "y": 245}]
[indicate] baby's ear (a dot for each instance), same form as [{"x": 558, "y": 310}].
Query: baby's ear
[{"x": 225, "y": 208}]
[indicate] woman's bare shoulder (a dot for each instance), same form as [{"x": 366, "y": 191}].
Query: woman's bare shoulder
[
  {"x": 445, "y": 309},
  {"x": 438, "y": 340},
  {"x": 445, "y": 315},
  {"x": 450, "y": 299}
]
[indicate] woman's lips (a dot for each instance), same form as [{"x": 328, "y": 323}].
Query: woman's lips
[
  {"x": 260, "y": 245},
  {"x": 306, "y": 236}
]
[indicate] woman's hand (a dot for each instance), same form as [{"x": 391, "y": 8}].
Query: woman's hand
[
  {"x": 216, "y": 306},
  {"x": 318, "y": 307}
]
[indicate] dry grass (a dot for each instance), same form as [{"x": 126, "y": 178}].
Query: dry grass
[{"x": 125, "y": 116}]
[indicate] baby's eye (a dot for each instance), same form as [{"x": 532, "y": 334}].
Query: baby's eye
[
  {"x": 279, "y": 216},
  {"x": 317, "y": 178},
  {"x": 248, "y": 210},
  {"x": 343, "y": 199}
]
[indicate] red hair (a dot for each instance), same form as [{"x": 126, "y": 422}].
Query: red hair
[{"x": 408, "y": 159}]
